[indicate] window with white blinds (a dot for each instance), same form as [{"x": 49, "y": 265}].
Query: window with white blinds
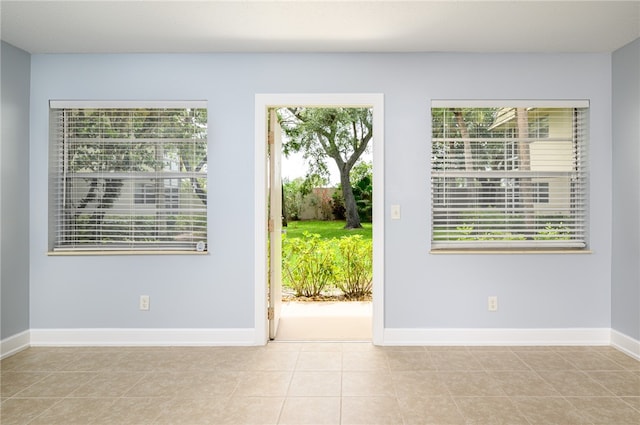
[
  {"x": 128, "y": 177},
  {"x": 509, "y": 175}
]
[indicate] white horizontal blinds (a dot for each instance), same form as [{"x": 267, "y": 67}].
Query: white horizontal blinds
[
  {"x": 130, "y": 178},
  {"x": 509, "y": 177}
]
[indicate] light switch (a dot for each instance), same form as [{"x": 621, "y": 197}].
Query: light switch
[{"x": 395, "y": 212}]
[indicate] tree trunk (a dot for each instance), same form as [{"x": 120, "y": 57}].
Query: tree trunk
[
  {"x": 195, "y": 184},
  {"x": 472, "y": 185},
  {"x": 526, "y": 185},
  {"x": 464, "y": 133},
  {"x": 351, "y": 211},
  {"x": 160, "y": 223}
]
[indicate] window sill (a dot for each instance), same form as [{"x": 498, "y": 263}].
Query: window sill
[
  {"x": 121, "y": 252},
  {"x": 510, "y": 251}
]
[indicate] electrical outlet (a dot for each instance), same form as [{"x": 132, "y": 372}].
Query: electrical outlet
[
  {"x": 492, "y": 303},
  {"x": 144, "y": 302}
]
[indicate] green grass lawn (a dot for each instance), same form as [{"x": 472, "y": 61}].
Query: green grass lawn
[{"x": 326, "y": 229}]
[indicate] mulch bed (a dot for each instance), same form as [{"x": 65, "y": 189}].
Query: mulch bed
[{"x": 329, "y": 296}]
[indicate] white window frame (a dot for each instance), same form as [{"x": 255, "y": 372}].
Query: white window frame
[
  {"x": 453, "y": 232},
  {"x": 182, "y": 228}
]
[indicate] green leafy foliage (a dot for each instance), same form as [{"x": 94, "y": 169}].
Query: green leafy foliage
[
  {"x": 553, "y": 232},
  {"x": 340, "y": 134},
  {"x": 307, "y": 264},
  {"x": 361, "y": 178},
  {"x": 296, "y": 191},
  {"x": 363, "y": 192},
  {"x": 120, "y": 143},
  {"x": 311, "y": 264},
  {"x": 293, "y": 194},
  {"x": 354, "y": 271},
  {"x": 337, "y": 205},
  {"x": 466, "y": 232}
]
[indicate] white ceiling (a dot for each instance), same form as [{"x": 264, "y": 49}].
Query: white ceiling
[{"x": 91, "y": 26}]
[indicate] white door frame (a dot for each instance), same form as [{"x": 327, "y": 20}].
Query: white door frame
[{"x": 262, "y": 103}]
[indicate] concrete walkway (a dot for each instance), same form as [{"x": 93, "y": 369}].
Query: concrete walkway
[{"x": 325, "y": 321}]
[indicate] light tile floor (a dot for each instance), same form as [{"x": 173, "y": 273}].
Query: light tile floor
[{"x": 321, "y": 383}]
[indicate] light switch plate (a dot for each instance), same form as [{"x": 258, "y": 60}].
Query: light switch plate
[{"x": 395, "y": 212}]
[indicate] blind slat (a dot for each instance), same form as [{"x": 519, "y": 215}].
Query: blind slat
[
  {"x": 128, "y": 179},
  {"x": 509, "y": 176}
]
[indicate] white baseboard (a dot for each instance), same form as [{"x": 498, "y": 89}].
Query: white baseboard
[
  {"x": 142, "y": 337},
  {"x": 247, "y": 337},
  {"x": 15, "y": 343},
  {"x": 626, "y": 344},
  {"x": 507, "y": 337}
]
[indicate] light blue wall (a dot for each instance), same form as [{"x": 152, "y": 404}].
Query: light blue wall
[
  {"x": 422, "y": 290},
  {"x": 14, "y": 191},
  {"x": 625, "y": 282}
]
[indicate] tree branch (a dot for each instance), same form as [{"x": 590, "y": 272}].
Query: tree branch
[
  {"x": 359, "y": 149},
  {"x": 195, "y": 184}
]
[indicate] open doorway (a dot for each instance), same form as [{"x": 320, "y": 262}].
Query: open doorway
[
  {"x": 314, "y": 320},
  {"x": 327, "y": 205}
]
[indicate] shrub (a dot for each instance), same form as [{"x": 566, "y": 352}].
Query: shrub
[
  {"x": 292, "y": 198},
  {"x": 354, "y": 265},
  {"x": 321, "y": 200},
  {"x": 466, "y": 233},
  {"x": 553, "y": 232},
  {"x": 337, "y": 205},
  {"x": 307, "y": 264},
  {"x": 363, "y": 193}
]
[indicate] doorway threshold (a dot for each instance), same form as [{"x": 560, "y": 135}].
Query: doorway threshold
[{"x": 325, "y": 321}]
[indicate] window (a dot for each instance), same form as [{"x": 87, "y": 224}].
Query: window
[
  {"x": 128, "y": 177},
  {"x": 145, "y": 194},
  {"x": 541, "y": 192},
  {"x": 509, "y": 175}
]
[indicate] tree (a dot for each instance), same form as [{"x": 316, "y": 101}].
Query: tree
[
  {"x": 292, "y": 198},
  {"x": 468, "y": 141},
  {"x": 526, "y": 188},
  {"x": 342, "y": 134},
  {"x": 361, "y": 170},
  {"x": 116, "y": 142},
  {"x": 362, "y": 184}
]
